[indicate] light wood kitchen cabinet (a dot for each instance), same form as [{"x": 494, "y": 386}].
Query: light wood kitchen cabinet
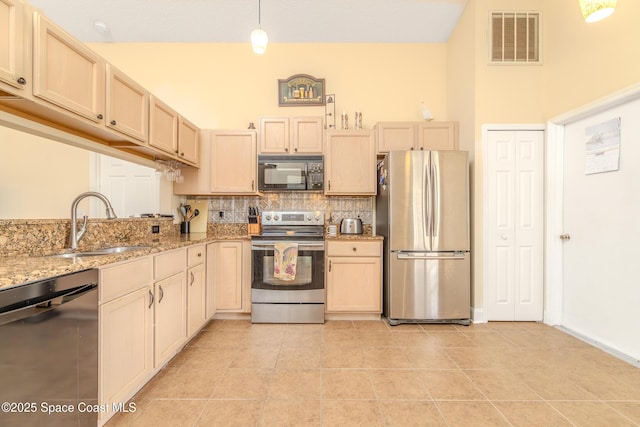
[
  {"x": 438, "y": 135},
  {"x": 196, "y": 289},
  {"x": 231, "y": 269},
  {"x": 170, "y": 290},
  {"x": 163, "y": 126},
  {"x": 127, "y": 105},
  {"x": 66, "y": 72},
  {"x": 350, "y": 162},
  {"x": 417, "y": 136},
  {"x": 125, "y": 329},
  {"x": 291, "y": 135},
  {"x": 188, "y": 142},
  {"x": 15, "y": 75},
  {"x": 394, "y": 136},
  {"x": 233, "y": 162},
  {"x": 354, "y": 277}
]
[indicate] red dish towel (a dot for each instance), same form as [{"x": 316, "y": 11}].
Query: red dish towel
[{"x": 285, "y": 258}]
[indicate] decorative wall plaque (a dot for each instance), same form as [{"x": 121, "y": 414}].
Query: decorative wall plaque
[{"x": 300, "y": 90}]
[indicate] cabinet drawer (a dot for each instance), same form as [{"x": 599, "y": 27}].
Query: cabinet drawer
[
  {"x": 122, "y": 279},
  {"x": 354, "y": 248},
  {"x": 169, "y": 263},
  {"x": 195, "y": 255}
]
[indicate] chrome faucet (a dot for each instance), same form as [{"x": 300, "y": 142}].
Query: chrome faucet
[{"x": 76, "y": 235}]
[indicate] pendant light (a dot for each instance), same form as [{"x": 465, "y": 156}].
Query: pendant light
[
  {"x": 259, "y": 37},
  {"x": 597, "y": 10}
]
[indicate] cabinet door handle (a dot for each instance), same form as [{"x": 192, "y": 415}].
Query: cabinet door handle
[
  {"x": 100, "y": 116},
  {"x": 192, "y": 279},
  {"x": 354, "y": 249},
  {"x": 182, "y": 154},
  {"x": 152, "y": 298},
  {"x": 295, "y": 149},
  {"x": 22, "y": 81},
  {"x": 253, "y": 184},
  {"x": 286, "y": 150},
  {"x": 329, "y": 183},
  {"x": 329, "y": 265},
  {"x": 161, "y": 294},
  {"x": 113, "y": 123}
]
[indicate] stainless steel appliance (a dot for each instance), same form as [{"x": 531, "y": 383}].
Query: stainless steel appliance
[
  {"x": 422, "y": 210},
  {"x": 351, "y": 226},
  {"x": 49, "y": 351},
  {"x": 300, "y": 300},
  {"x": 283, "y": 173}
]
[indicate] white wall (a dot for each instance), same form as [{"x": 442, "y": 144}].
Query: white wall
[{"x": 39, "y": 178}]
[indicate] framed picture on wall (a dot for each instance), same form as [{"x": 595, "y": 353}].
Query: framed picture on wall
[{"x": 300, "y": 90}]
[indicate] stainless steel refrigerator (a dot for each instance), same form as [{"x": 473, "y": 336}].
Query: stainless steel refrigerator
[{"x": 422, "y": 210}]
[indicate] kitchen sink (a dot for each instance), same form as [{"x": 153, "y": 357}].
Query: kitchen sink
[{"x": 99, "y": 252}]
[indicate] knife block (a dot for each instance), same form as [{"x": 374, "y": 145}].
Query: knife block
[{"x": 255, "y": 228}]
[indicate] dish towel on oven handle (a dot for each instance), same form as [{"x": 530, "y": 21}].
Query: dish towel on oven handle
[{"x": 285, "y": 258}]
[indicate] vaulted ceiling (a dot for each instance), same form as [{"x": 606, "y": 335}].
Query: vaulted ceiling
[{"x": 231, "y": 21}]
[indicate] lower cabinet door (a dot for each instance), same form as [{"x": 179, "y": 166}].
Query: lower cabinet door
[
  {"x": 196, "y": 299},
  {"x": 170, "y": 317},
  {"x": 126, "y": 345},
  {"x": 354, "y": 284}
]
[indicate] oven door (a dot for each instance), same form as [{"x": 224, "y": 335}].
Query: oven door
[{"x": 309, "y": 269}]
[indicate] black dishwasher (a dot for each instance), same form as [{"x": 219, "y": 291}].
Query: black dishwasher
[{"x": 49, "y": 352}]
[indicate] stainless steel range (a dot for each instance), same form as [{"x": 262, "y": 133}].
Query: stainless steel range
[{"x": 299, "y": 297}]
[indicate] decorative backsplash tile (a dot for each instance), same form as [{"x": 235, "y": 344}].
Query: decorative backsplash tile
[{"x": 236, "y": 208}]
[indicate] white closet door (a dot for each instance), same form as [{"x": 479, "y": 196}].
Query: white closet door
[
  {"x": 132, "y": 189},
  {"x": 514, "y": 196}
]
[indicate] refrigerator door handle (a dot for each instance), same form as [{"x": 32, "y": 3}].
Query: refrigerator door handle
[
  {"x": 428, "y": 197},
  {"x": 420, "y": 255},
  {"x": 435, "y": 202}
]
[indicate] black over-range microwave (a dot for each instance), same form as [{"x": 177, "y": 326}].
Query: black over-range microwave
[{"x": 285, "y": 173}]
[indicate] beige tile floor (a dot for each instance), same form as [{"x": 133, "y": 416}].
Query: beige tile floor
[{"x": 368, "y": 373}]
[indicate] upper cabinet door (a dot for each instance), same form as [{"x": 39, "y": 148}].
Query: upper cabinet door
[
  {"x": 274, "y": 135},
  {"x": 12, "y": 45},
  {"x": 66, "y": 72},
  {"x": 396, "y": 136},
  {"x": 234, "y": 162},
  {"x": 438, "y": 135},
  {"x": 188, "y": 141},
  {"x": 163, "y": 126},
  {"x": 127, "y": 105},
  {"x": 306, "y": 135},
  {"x": 350, "y": 163}
]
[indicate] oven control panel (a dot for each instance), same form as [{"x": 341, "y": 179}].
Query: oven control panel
[{"x": 292, "y": 218}]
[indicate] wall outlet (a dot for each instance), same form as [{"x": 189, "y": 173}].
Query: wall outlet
[
  {"x": 155, "y": 229},
  {"x": 221, "y": 214}
]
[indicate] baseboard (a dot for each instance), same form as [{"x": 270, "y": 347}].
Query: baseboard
[
  {"x": 478, "y": 315},
  {"x": 232, "y": 316},
  {"x": 615, "y": 353},
  {"x": 352, "y": 316}
]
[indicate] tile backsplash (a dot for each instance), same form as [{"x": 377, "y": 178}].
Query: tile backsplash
[{"x": 235, "y": 208}]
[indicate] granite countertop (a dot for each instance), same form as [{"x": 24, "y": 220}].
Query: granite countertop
[
  {"x": 18, "y": 270},
  {"x": 340, "y": 236}
]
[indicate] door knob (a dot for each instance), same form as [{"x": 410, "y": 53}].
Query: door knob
[
  {"x": 565, "y": 236},
  {"x": 504, "y": 237}
]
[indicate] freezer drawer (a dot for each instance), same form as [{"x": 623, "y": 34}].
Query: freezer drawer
[{"x": 428, "y": 287}]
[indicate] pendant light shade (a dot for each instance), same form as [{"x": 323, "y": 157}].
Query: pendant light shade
[
  {"x": 597, "y": 10},
  {"x": 259, "y": 38}
]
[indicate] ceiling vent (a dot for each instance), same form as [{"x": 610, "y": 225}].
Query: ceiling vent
[{"x": 515, "y": 38}]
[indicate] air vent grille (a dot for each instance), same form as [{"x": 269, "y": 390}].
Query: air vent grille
[{"x": 515, "y": 37}]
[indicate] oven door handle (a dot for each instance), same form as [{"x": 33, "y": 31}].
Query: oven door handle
[{"x": 301, "y": 247}]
